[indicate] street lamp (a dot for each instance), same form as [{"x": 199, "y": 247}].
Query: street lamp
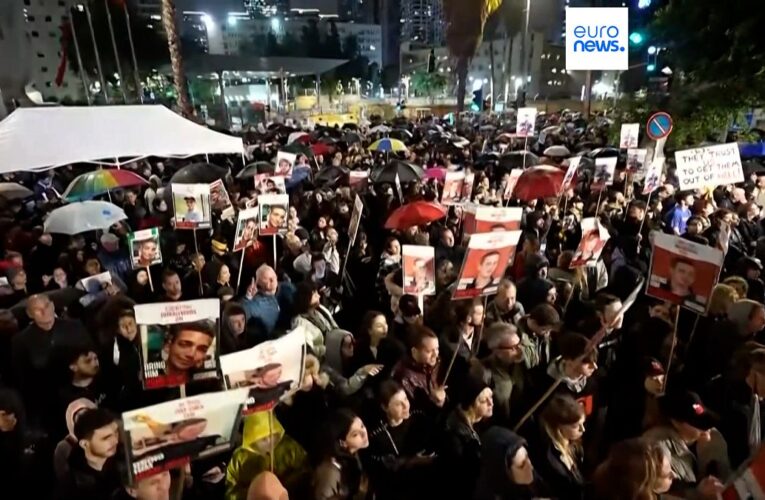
[
  {"x": 651, "y": 50},
  {"x": 208, "y": 21}
]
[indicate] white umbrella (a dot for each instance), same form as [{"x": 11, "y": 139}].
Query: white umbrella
[
  {"x": 84, "y": 216},
  {"x": 557, "y": 151},
  {"x": 14, "y": 191},
  {"x": 294, "y": 136},
  {"x": 380, "y": 128},
  {"x": 460, "y": 142}
]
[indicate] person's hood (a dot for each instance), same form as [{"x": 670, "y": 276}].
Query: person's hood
[
  {"x": 533, "y": 291},
  {"x": 555, "y": 371},
  {"x": 498, "y": 447},
  {"x": 739, "y": 312},
  {"x": 334, "y": 343},
  {"x": 72, "y": 410},
  {"x": 256, "y": 427}
]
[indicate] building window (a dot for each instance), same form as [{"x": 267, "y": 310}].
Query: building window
[
  {"x": 44, "y": 69},
  {"x": 40, "y": 55},
  {"x": 48, "y": 19},
  {"x": 35, "y": 34}
]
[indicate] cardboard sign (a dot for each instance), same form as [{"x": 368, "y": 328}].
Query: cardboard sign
[
  {"x": 573, "y": 166},
  {"x": 453, "y": 186},
  {"x": 270, "y": 371},
  {"x": 178, "y": 342},
  {"x": 274, "y": 209},
  {"x": 628, "y": 138},
  {"x": 467, "y": 187},
  {"x": 486, "y": 259},
  {"x": 358, "y": 179},
  {"x": 526, "y": 123},
  {"x": 709, "y": 166},
  {"x": 605, "y": 169},
  {"x": 683, "y": 272},
  {"x": 636, "y": 159},
  {"x": 191, "y": 205},
  {"x": 144, "y": 247},
  {"x": 419, "y": 268},
  {"x": 485, "y": 219},
  {"x": 594, "y": 239},
  {"x": 653, "y": 175},
  {"x": 246, "y": 228}
]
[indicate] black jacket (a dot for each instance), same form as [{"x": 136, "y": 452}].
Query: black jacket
[
  {"x": 459, "y": 458},
  {"x": 563, "y": 483},
  {"x": 86, "y": 483}
]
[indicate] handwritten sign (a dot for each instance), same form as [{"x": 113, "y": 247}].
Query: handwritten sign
[{"x": 709, "y": 166}]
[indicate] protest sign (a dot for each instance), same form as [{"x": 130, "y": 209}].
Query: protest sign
[
  {"x": 353, "y": 227},
  {"x": 94, "y": 284},
  {"x": 358, "y": 179},
  {"x": 274, "y": 209},
  {"x": 628, "y": 138},
  {"x": 169, "y": 435},
  {"x": 709, "y": 166},
  {"x": 453, "y": 184},
  {"x": 144, "y": 248},
  {"x": 191, "y": 204},
  {"x": 270, "y": 371},
  {"x": 270, "y": 184},
  {"x": 178, "y": 341},
  {"x": 573, "y": 165},
  {"x": 605, "y": 168},
  {"x": 594, "y": 239},
  {"x": 419, "y": 268},
  {"x": 487, "y": 256},
  {"x": 683, "y": 272},
  {"x": 219, "y": 199},
  {"x": 636, "y": 160},
  {"x": 246, "y": 228},
  {"x": 748, "y": 481},
  {"x": 467, "y": 187},
  {"x": 653, "y": 175},
  {"x": 285, "y": 162},
  {"x": 485, "y": 219},
  {"x": 525, "y": 125}
]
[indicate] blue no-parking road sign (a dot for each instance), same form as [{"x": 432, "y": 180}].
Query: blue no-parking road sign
[{"x": 659, "y": 126}]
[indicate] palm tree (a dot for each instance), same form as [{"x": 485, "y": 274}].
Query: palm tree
[
  {"x": 465, "y": 20},
  {"x": 176, "y": 59}
]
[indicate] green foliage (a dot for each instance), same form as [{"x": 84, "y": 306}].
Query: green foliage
[{"x": 429, "y": 84}]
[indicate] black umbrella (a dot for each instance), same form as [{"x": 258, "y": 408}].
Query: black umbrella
[
  {"x": 604, "y": 153},
  {"x": 330, "y": 141},
  {"x": 253, "y": 169},
  {"x": 407, "y": 172},
  {"x": 352, "y": 138},
  {"x": 350, "y": 126},
  {"x": 199, "y": 173},
  {"x": 331, "y": 176},
  {"x": 401, "y": 134},
  {"x": 298, "y": 149},
  {"x": 515, "y": 159},
  {"x": 753, "y": 167}
]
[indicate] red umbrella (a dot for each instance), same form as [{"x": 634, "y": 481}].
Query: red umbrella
[
  {"x": 320, "y": 149},
  {"x": 542, "y": 181},
  {"x": 415, "y": 214}
]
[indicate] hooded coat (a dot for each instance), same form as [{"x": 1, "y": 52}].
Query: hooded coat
[
  {"x": 290, "y": 459},
  {"x": 498, "y": 448}
]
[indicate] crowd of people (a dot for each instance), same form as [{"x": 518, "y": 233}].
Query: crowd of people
[{"x": 404, "y": 397}]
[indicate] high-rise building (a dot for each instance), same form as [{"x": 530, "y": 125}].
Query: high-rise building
[
  {"x": 422, "y": 21},
  {"x": 266, "y": 8},
  {"x": 360, "y": 11},
  {"x": 390, "y": 15},
  {"x": 322, "y": 8}
]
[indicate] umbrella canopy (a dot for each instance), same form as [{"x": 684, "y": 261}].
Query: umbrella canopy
[
  {"x": 91, "y": 184},
  {"x": 557, "y": 152},
  {"x": 298, "y": 148},
  {"x": 388, "y": 145},
  {"x": 407, "y": 172},
  {"x": 331, "y": 176},
  {"x": 515, "y": 159},
  {"x": 539, "y": 182},
  {"x": 603, "y": 153},
  {"x": 295, "y": 136},
  {"x": 459, "y": 142},
  {"x": 83, "y": 216},
  {"x": 321, "y": 148},
  {"x": 438, "y": 173},
  {"x": 401, "y": 134},
  {"x": 199, "y": 173},
  {"x": 380, "y": 129},
  {"x": 253, "y": 169},
  {"x": 415, "y": 214},
  {"x": 352, "y": 138},
  {"x": 14, "y": 191}
]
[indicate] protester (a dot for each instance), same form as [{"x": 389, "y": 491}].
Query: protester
[{"x": 340, "y": 474}]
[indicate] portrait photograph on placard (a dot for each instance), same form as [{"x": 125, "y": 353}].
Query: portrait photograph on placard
[
  {"x": 178, "y": 342},
  {"x": 169, "y": 435},
  {"x": 509, "y": 181},
  {"x": 636, "y": 160},
  {"x": 246, "y": 228},
  {"x": 191, "y": 203},
  {"x": 145, "y": 248},
  {"x": 628, "y": 138},
  {"x": 270, "y": 371},
  {"x": 492, "y": 219},
  {"x": 419, "y": 268},
  {"x": 274, "y": 209},
  {"x": 683, "y": 272},
  {"x": 486, "y": 259},
  {"x": 219, "y": 199},
  {"x": 526, "y": 122},
  {"x": 467, "y": 187},
  {"x": 605, "y": 170},
  {"x": 358, "y": 179},
  {"x": 285, "y": 162},
  {"x": 653, "y": 175},
  {"x": 270, "y": 184},
  {"x": 573, "y": 165},
  {"x": 453, "y": 184},
  {"x": 594, "y": 239}
]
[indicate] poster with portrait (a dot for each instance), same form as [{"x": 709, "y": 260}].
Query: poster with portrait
[
  {"x": 246, "y": 228},
  {"x": 358, "y": 179},
  {"x": 419, "y": 268},
  {"x": 653, "y": 175},
  {"x": 486, "y": 219},
  {"x": 270, "y": 184},
  {"x": 467, "y": 187},
  {"x": 169, "y": 435},
  {"x": 487, "y": 256},
  {"x": 274, "y": 209},
  {"x": 636, "y": 160},
  {"x": 191, "y": 205},
  {"x": 628, "y": 137},
  {"x": 219, "y": 199},
  {"x": 178, "y": 342},
  {"x": 573, "y": 166},
  {"x": 605, "y": 170},
  {"x": 683, "y": 272},
  {"x": 96, "y": 283},
  {"x": 594, "y": 239},
  {"x": 145, "y": 248},
  {"x": 527, "y": 118},
  {"x": 269, "y": 372},
  {"x": 510, "y": 182},
  {"x": 285, "y": 162},
  {"x": 453, "y": 184}
]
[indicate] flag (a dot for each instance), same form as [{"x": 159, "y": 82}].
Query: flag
[
  {"x": 749, "y": 484},
  {"x": 66, "y": 37}
]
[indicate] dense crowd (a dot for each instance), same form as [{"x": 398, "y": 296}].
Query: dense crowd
[{"x": 404, "y": 397}]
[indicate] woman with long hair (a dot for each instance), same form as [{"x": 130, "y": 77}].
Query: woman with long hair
[
  {"x": 374, "y": 345},
  {"x": 340, "y": 475},
  {"x": 636, "y": 469},
  {"x": 315, "y": 319},
  {"x": 558, "y": 455}
]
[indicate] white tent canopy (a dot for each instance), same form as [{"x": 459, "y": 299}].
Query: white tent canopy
[{"x": 40, "y": 138}]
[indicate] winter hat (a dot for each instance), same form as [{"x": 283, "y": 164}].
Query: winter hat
[
  {"x": 470, "y": 391},
  {"x": 408, "y": 307},
  {"x": 687, "y": 407},
  {"x": 73, "y": 409},
  {"x": 740, "y": 312}
]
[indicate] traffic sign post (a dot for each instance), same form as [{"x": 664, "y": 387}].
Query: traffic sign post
[{"x": 659, "y": 126}]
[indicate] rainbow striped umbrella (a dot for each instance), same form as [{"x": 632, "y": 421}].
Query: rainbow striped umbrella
[
  {"x": 388, "y": 145},
  {"x": 92, "y": 184}
]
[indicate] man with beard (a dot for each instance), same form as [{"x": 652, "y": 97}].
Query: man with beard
[{"x": 504, "y": 307}]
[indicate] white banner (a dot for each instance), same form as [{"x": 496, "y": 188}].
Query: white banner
[{"x": 709, "y": 166}]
